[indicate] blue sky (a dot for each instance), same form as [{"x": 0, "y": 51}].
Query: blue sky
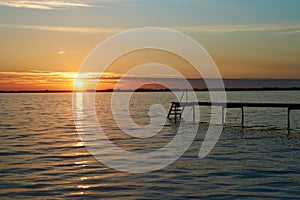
[{"x": 132, "y": 13}]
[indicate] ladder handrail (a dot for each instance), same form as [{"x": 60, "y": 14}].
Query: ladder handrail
[{"x": 186, "y": 96}]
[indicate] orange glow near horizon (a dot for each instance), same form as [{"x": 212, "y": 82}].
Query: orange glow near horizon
[
  {"x": 69, "y": 81},
  {"x": 44, "y": 80},
  {"x": 230, "y": 66},
  {"x": 51, "y": 80}
]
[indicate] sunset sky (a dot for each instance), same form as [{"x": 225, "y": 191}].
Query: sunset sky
[{"x": 43, "y": 43}]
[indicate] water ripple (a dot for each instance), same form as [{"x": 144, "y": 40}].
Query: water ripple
[{"x": 42, "y": 156}]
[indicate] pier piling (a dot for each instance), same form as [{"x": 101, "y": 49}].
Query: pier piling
[{"x": 243, "y": 117}]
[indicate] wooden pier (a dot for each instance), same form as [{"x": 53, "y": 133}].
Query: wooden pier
[{"x": 177, "y": 108}]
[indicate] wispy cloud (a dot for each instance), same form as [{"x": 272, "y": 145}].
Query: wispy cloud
[
  {"x": 237, "y": 28},
  {"x": 64, "y": 28},
  {"x": 63, "y": 4},
  {"x": 46, "y": 5},
  {"x": 292, "y": 32},
  {"x": 34, "y": 74},
  {"x": 282, "y": 28}
]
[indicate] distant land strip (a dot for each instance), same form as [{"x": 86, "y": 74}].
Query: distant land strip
[{"x": 154, "y": 90}]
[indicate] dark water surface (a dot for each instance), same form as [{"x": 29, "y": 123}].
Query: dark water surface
[{"x": 41, "y": 155}]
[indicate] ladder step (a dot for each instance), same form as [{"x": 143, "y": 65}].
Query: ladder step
[
  {"x": 174, "y": 114},
  {"x": 176, "y": 111}
]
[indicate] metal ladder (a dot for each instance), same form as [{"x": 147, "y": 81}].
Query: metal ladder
[{"x": 176, "y": 108}]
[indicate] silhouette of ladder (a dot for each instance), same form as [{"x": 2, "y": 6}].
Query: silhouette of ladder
[{"x": 176, "y": 108}]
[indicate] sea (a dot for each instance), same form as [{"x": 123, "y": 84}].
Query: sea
[{"x": 42, "y": 155}]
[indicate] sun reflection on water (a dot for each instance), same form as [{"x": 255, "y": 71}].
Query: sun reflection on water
[{"x": 78, "y": 144}]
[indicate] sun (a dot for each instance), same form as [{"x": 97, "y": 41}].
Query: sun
[{"x": 78, "y": 85}]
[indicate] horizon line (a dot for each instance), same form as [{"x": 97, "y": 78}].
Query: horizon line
[{"x": 156, "y": 90}]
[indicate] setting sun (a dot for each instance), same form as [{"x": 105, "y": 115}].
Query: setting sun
[{"x": 78, "y": 85}]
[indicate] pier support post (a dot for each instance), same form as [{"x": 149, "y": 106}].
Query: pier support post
[
  {"x": 243, "y": 119},
  {"x": 175, "y": 114},
  {"x": 222, "y": 115},
  {"x": 186, "y": 95},
  {"x": 289, "y": 120},
  {"x": 193, "y": 113}
]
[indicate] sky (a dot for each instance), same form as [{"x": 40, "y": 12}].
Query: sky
[{"x": 44, "y": 43}]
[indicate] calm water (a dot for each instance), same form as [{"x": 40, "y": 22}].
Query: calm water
[{"x": 43, "y": 157}]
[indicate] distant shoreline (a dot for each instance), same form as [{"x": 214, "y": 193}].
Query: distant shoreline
[{"x": 154, "y": 90}]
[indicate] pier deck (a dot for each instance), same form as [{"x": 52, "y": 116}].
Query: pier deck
[{"x": 177, "y": 108}]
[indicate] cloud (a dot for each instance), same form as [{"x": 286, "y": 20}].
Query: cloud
[
  {"x": 49, "y": 76},
  {"x": 61, "y": 52},
  {"x": 237, "y": 28},
  {"x": 63, "y": 28},
  {"x": 283, "y": 28},
  {"x": 45, "y": 5},
  {"x": 63, "y": 4},
  {"x": 292, "y": 32},
  {"x": 49, "y": 80}
]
